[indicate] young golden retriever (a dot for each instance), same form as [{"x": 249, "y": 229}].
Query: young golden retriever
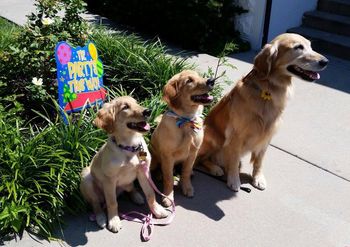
[
  {"x": 246, "y": 118},
  {"x": 179, "y": 134},
  {"x": 116, "y": 165}
]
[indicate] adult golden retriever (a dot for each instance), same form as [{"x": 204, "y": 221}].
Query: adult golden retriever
[
  {"x": 116, "y": 165},
  {"x": 246, "y": 118},
  {"x": 179, "y": 134}
]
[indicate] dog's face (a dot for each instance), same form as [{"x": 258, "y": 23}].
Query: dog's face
[
  {"x": 290, "y": 54},
  {"x": 121, "y": 115},
  {"x": 187, "y": 88}
]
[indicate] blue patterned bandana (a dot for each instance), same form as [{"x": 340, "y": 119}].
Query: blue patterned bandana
[{"x": 196, "y": 123}]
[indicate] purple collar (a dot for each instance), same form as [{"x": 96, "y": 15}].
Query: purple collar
[{"x": 132, "y": 149}]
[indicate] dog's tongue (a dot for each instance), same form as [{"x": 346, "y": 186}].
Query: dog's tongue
[
  {"x": 313, "y": 75},
  {"x": 208, "y": 97},
  {"x": 144, "y": 125},
  {"x": 205, "y": 97}
]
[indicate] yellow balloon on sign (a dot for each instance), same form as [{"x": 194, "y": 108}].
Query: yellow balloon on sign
[{"x": 93, "y": 51}]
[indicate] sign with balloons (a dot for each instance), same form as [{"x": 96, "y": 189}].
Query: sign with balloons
[{"x": 79, "y": 76}]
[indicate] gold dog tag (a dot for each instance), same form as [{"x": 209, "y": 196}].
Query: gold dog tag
[
  {"x": 265, "y": 95},
  {"x": 142, "y": 155}
]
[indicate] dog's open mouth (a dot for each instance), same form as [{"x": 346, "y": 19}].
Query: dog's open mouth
[
  {"x": 304, "y": 74},
  {"x": 139, "y": 126},
  {"x": 202, "y": 98}
]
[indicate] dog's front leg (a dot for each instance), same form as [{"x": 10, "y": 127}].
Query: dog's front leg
[
  {"x": 187, "y": 167},
  {"x": 109, "y": 189},
  {"x": 231, "y": 160},
  {"x": 168, "y": 179},
  {"x": 204, "y": 154},
  {"x": 156, "y": 209},
  {"x": 259, "y": 180}
]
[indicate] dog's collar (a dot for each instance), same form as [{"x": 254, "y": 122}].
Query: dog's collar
[
  {"x": 132, "y": 149},
  {"x": 264, "y": 94},
  {"x": 196, "y": 122}
]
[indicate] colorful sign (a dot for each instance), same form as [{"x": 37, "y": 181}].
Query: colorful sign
[{"x": 80, "y": 76}]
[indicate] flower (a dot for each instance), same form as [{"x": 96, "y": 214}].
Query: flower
[
  {"x": 46, "y": 21},
  {"x": 37, "y": 81}
]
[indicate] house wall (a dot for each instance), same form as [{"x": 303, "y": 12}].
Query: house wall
[
  {"x": 251, "y": 24},
  {"x": 286, "y": 14}
]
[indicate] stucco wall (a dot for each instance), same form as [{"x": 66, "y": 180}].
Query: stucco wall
[
  {"x": 288, "y": 13},
  {"x": 251, "y": 24},
  {"x": 285, "y": 14}
]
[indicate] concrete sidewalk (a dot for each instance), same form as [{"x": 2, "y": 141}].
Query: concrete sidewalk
[{"x": 307, "y": 168}]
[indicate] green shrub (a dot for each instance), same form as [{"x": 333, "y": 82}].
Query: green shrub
[
  {"x": 8, "y": 33},
  {"x": 194, "y": 24},
  {"x": 129, "y": 62},
  {"x": 134, "y": 64},
  {"x": 31, "y": 52},
  {"x": 40, "y": 170}
]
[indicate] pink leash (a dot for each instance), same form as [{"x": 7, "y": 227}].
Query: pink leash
[{"x": 147, "y": 220}]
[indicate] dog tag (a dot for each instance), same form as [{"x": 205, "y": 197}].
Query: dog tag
[{"x": 142, "y": 155}]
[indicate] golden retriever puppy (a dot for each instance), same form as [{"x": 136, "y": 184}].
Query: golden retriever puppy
[
  {"x": 246, "y": 118},
  {"x": 116, "y": 165},
  {"x": 179, "y": 134}
]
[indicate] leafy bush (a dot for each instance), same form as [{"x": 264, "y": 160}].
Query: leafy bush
[
  {"x": 8, "y": 32},
  {"x": 40, "y": 170},
  {"x": 31, "y": 52},
  {"x": 194, "y": 24},
  {"x": 134, "y": 64},
  {"x": 129, "y": 62}
]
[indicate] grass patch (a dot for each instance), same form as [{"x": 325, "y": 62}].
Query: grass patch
[
  {"x": 40, "y": 170},
  {"x": 134, "y": 64},
  {"x": 8, "y": 33}
]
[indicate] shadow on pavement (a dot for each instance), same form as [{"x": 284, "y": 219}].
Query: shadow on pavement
[
  {"x": 74, "y": 233},
  {"x": 208, "y": 192}
]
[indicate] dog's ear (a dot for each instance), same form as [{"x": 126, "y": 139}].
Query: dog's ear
[
  {"x": 105, "y": 118},
  {"x": 263, "y": 62},
  {"x": 171, "y": 91}
]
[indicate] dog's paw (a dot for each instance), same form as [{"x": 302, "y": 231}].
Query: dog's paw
[
  {"x": 137, "y": 198},
  {"x": 159, "y": 211},
  {"x": 216, "y": 171},
  {"x": 114, "y": 224},
  {"x": 187, "y": 189},
  {"x": 166, "y": 202},
  {"x": 101, "y": 220},
  {"x": 234, "y": 183},
  {"x": 259, "y": 182}
]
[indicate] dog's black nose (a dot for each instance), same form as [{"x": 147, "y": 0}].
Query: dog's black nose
[
  {"x": 323, "y": 62},
  {"x": 146, "y": 112},
  {"x": 211, "y": 82}
]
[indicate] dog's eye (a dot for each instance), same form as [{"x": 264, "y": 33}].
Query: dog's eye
[
  {"x": 189, "y": 80},
  {"x": 299, "y": 47},
  {"x": 125, "y": 107}
]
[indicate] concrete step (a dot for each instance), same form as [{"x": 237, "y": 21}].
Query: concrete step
[
  {"x": 328, "y": 22},
  {"x": 325, "y": 42},
  {"x": 339, "y": 7}
]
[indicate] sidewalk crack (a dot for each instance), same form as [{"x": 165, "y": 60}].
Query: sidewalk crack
[{"x": 310, "y": 163}]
